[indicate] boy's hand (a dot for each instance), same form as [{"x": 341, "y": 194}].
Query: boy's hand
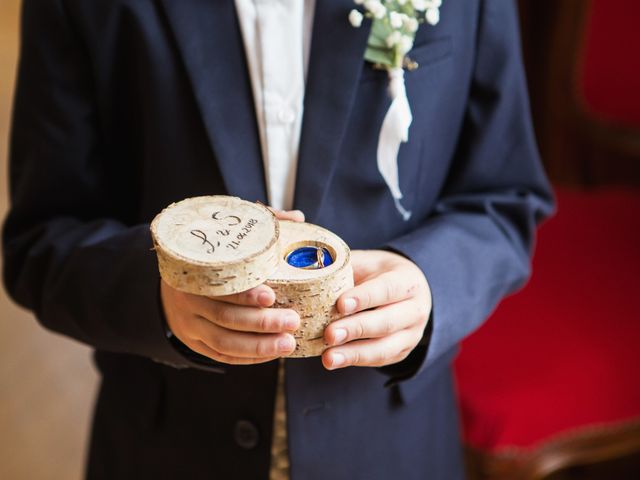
[
  {"x": 235, "y": 329},
  {"x": 387, "y": 312}
]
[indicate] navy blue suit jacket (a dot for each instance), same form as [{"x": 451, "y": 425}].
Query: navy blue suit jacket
[{"x": 124, "y": 106}]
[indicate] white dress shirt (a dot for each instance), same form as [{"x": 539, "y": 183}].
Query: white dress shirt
[{"x": 277, "y": 40}]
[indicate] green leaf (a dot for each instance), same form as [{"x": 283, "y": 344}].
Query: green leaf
[
  {"x": 377, "y": 49},
  {"x": 378, "y": 55},
  {"x": 380, "y": 30}
]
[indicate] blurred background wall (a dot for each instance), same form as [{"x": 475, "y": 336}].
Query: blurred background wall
[{"x": 47, "y": 382}]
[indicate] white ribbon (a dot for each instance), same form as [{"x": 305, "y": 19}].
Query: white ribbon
[{"x": 395, "y": 130}]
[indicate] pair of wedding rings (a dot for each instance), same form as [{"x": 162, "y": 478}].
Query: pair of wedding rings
[{"x": 309, "y": 258}]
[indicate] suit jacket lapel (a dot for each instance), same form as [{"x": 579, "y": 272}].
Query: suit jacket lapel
[
  {"x": 335, "y": 64},
  {"x": 210, "y": 41}
]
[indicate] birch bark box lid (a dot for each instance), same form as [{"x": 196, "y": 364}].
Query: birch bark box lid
[
  {"x": 215, "y": 245},
  {"x": 219, "y": 245}
]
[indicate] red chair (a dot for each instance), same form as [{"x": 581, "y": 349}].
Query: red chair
[
  {"x": 549, "y": 387},
  {"x": 552, "y": 380}
]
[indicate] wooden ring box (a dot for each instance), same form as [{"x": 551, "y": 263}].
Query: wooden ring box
[{"x": 220, "y": 245}]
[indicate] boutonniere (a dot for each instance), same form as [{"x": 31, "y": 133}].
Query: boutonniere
[{"x": 394, "y": 27}]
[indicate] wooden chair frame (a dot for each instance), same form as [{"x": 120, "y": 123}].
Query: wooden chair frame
[
  {"x": 580, "y": 447},
  {"x": 577, "y": 146}
]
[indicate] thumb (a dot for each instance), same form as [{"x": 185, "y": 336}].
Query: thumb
[{"x": 293, "y": 215}]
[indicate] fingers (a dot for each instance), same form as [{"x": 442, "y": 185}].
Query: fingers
[
  {"x": 293, "y": 215},
  {"x": 260, "y": 296},
  {"x": 372, "y": 352},
  {"x": 239, "y": 312},
  {"x": 251, "y": 319},
  {"x": 242, "y": 344},
  {"x": 234, "y": 334},
  {"x": 388, "y": 287},
  {"x": 203, "y": 349},
  {"x": 376, "y": 323}
]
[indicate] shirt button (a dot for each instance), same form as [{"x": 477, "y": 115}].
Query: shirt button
[
  {"x": 286, "y": 115},
  {"x": 246, "y": 434}
]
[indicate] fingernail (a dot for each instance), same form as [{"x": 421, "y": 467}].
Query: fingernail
[
  {"x": 339, "y": 334},
  {"x": 349, "y": 305},
  {"x": 337, "y": 360},
  {"x": 286, "y": 344},
  {"x": 264, "y": 298},
  {"x": 291, "y": 321}
]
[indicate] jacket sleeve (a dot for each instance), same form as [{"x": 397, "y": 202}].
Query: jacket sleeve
[
  {"x": 476, "y": 245},
  {"x": 73, "y": 252}
]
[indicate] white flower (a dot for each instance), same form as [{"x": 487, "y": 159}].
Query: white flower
[
  {"x": 411, "y": 24},
  {"x": 402, "y": 2},
  {"x": 393, "y": 39},
  {"x": 371, "y": 4},
  {"x": 433, "y": 3},
  {"x": 375, "y": 8},
  {"x": 419, "y": 4},
  {"x": 358, "y": 2},
  {"x": 380, "y": 11},
  {"x": 406, "y": 44},
  {"x": 432, "y": 16},
  {"x": 395, "y": 19},
  {"x": 355, "y": 17}
]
